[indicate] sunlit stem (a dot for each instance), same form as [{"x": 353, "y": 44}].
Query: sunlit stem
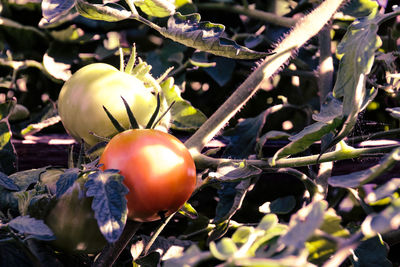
[
  {"x": 309, "y": 26},
  {"x": 121, "y": 59},
  {"x": 203, "y": 161}
]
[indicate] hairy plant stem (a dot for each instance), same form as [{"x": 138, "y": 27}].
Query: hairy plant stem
[
  {"x": 251, "y": 13},
  {"x": 204, "y": 161},
  {"x": 301, "y": 33}
]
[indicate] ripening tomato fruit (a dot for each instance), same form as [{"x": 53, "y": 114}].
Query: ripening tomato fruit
[
  {"x": 157, "y": 168},
  {"x": 81, "y": 101}
]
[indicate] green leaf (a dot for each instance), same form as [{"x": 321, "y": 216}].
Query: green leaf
[
  {"x": 242, "y": 234},
  {"x": 360, "y": 8},
  {"x": 357, "y": 51},
  {"x": 108, "y": 12},
  {"x": 205, "y": 36},
  {"x": 267, "y": 222},
  {"x": 331, "y": 108},
  {"x": 320, "y": 247},
  {"x": 189, "y": 211},
  {"x": 224, "y": 249},
  {"x": 30, "y": 226},
  {"x": 383, "y": 191},
  {"x": 222, "y": 71},
  {"x": 109, "y": 202},
  {"x": 303, "y": 224},
  {"x": 386, "y": 220},
  {"x": 355, "y": 179},
  {"x": 156, "y": 8},
  {"x": 52, "y": 9},
  {"x": 234, "y": 172},
  {"x": 7, "y": 183},
  {"x": 8, "y": 156},
  {"x": 184, "y": 116},
  {"x": 305, "y": 138},
  {"x": 394, "y": 112},
  {"x": 193, "y": 255},
  {"x": 282, "y": 205},
  {"x": 219, "y": 230}
]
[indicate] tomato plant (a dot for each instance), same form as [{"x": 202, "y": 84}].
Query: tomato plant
[
  {"x": 73, "y": 223},
  {"x": 81, "y": 101},
  {"x": 157, "y": 168}
]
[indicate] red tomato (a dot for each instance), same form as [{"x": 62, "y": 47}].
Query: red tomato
[{"x": 157, "y": 168}]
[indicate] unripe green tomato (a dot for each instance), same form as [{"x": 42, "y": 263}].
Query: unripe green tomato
[
  {"x": 73, "y": 223},
  {"x": 81, "y": 101}
]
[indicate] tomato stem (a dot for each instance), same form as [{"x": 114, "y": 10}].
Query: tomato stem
[
  {"x": 112, "y": 251},
  {"x": 301, "y": 33}
]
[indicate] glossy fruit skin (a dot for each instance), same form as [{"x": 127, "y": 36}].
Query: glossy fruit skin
[
  {"x": 83, "y": 95},
  {"x": 73, "y": 223},
  {"x": 157, "y": 168}
]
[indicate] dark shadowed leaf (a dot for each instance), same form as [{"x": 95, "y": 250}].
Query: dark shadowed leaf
[
  {"x": 7, "y": 183},
  {"x": 109, "y": 202},
  {"x": 32, "y": 227},
  {"x": 25, "y": 178},
  {"x": 372, "y": 253},
  {"x": 205, "y": 36},
  {"x": 222, "y": 71},
  {"x": 355, "y": 179},
  {"x": 15, "y": 255},
  {"x": 282, "y": 205},
  {"x": 234, "y": 172},
  {"x": 66, "y": 180}
]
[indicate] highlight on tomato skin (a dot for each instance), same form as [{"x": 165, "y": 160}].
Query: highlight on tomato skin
[{"x": 157, "y": 168}]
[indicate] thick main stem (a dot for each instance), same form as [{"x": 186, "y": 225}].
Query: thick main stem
[{"x": 309, "y": 26}]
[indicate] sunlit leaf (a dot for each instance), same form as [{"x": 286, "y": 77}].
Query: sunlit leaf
[
  {"x": 305, "y": 138},
  {"x": 224, "y": 249},
  {"x": 188, "y": 211},
  {"x": 386, "y": 220},
  {"x": 157, "y": 8},
  {"x": 205, "y": 36},
  {"x": 191, "y": 258},
  {"x": 383, "y": 191},
  {"x": 303, "y": 224},
  {"x": 107, "y": 12},
  {"x": 360, "y": 8},
  {"x": 321, "y": 247},
  {"x": 51, "y": 9},
  {"x": 184, "y": 115}
]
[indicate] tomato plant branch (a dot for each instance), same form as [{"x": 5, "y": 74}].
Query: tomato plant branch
[
  {"x": 203, "y": 161},
  {"x": 301, "y": 33},
  {"x": 157, "y": 233},
  {"x": 112, "y": 251},
  {"x": 251, "y": 13}
]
